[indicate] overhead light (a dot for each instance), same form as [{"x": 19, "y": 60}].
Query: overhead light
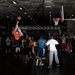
[
  {"x": 7, "y": 16},
  {"x": 20, "y": 8},
  {"x": 28, "y": 15},
  {"x": 14, "y": 2},
  {"x": 50, "y": 15},
  {"x": 9, "y": 6},
  {"x": 50, "y": 12},
  {"x": 25, "y": 13},
  {"x": 12, "y": 18},
  {"x": 72, "y": 14},
  {"x": 31, "y": 18}
]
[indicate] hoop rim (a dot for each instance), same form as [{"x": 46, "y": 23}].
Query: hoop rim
[{"x": 57, "y": 19}]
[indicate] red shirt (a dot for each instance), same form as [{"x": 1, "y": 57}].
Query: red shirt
[{"x": 16, "y": 35}]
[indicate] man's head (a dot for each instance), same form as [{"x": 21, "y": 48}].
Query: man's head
[
  {"x": 52, "y": 37},
  {"x": 41, "y": 37}
]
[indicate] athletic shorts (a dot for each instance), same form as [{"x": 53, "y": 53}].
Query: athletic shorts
[
  {"x": 17, "y": 43},
  {"x": 40, "y": 52}
]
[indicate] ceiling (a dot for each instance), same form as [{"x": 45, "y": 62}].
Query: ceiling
[{"x": 36, "y": 11}]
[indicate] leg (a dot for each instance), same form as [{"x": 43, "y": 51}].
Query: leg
[
  {"x": 56, "y": 57},
  {"x": 50, "y": 58},
  {"x": 41, "y": 57},
  {"x": 17, "y": 49},
  {"x": 37, "y": 61},
  {"x": 38, "y": 57}
]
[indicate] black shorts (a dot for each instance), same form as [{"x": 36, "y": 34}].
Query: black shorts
[{"x": 17, "y": 43}]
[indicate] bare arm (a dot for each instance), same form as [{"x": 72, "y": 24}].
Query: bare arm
[
  {"x": 20, "y": 32},
  {"x": 16, "y": 25}
]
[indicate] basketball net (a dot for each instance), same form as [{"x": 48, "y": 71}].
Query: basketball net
[{"x": 56, "y": 20}]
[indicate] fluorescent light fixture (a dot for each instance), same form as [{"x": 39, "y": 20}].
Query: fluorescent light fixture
[
  {"x": 14, "y": 2},
  {"x": 25, "y": 13},
  {"x": 50, "y": 12},
  {"x": 20, "y": 8},
  {"x": 50, "y": 15},
  {"x": 7, "y": 16},
  {"x": 72, "y": 14},
  {"x": 31, "y": 18},
  {"x": 12, "y": 18},
  {"x": 28, "y": 15}
]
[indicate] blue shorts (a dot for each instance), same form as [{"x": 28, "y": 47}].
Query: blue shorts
[{"x": 40, "y": 52}]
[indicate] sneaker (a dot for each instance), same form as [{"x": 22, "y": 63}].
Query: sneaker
[
  {"x": 37, "y": 62},
  {"x": 41, "y": 64},
  {"x": 49, "y": 66},
  {"x": 58, "y": 65},
  {"x": 15, "y": 56},
  {"x": 43, "y": 58}
]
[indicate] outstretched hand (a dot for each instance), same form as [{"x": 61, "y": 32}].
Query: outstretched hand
[
  {"x": 16, "y": 25},
  {"x": 17, "y": 22}
]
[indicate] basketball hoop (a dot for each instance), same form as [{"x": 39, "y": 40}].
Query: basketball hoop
[{"x": 56, "y": 20}]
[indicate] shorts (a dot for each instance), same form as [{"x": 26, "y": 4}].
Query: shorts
[
  {"x": 40, "y": 52},
  {"x": 17, "y": 43},
  {"x": 64, "y": 46}
]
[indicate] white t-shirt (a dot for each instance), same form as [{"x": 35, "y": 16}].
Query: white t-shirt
[{"x": 52, "y": 43}]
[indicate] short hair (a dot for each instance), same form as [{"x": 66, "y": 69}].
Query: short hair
[
  {"x": 52, "y": 37},
  {"x": 41, "y": 36}
]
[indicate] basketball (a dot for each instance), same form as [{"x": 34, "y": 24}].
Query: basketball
[{"x": 19, "y": 17}]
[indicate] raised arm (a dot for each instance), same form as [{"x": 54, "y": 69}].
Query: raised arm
[
  {"x": 20, "y": 32},
  {"x": 16, "y": 25}
]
